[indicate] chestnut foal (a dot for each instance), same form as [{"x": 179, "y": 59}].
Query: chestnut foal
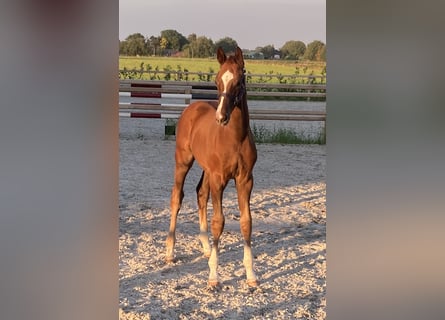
[{"x": 218, "y": 136}]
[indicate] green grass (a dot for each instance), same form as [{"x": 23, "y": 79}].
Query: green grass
[
  {"x": 276, "y": 69},
  {"x": 285, "y": 136}
]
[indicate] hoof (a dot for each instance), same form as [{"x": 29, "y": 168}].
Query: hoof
[
  {"x": 253, "y": 283},
  {"x": 214, "y": 283},
  {"x": 214, "y": 286},
  {"x": 170, "y": 259}
]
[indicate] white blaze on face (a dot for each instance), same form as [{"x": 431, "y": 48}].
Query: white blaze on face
[{"x": 225, "y": 78}]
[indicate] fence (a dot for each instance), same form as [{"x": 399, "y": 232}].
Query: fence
[
  {"x": 179, "y": 75},
  {"x": 167, "y": 99}
]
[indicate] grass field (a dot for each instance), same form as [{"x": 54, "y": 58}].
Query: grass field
[{"x": 276, "y": 68}]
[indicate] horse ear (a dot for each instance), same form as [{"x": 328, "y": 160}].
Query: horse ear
[
  {"x": 220, "y": 55},
  {"x": 239, "y": 56}
]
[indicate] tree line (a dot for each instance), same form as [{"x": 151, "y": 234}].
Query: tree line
[{"x": 171, "y": 42}]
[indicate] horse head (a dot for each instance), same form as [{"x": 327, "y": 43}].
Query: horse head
[{"x": 230, "y": 82}]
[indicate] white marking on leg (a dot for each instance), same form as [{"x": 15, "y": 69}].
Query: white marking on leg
[
  {"x": 248, "y": 264},
  {"x": 226, "y": 78},
  {"x": 204, "y": 238},
  {"x": 213, "y": 265}
]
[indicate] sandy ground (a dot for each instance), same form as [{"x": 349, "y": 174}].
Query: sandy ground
[{"x": 289, "y": 235}]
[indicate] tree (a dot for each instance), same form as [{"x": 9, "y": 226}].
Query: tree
[
  {"x": 268, "y": 51},
  {"x": 293, "y": 50},
  {"x": 133, "y": 45},
  {"x": 154, "y": 45},
  {"x": 227, "y": 44},
  {"x": 259, "y": 50},
  {"x": 199, "y": 47},
  {"x": 175, "y": 40},
  {"x": 122, "y": 47},
  {"x": 190, "y": 48},
  {"x": 192, "y": 37},
  {"x": 323, "y": 53},
  {"x": 314, "y": 51},
  {"x": 163, "y": 43}
]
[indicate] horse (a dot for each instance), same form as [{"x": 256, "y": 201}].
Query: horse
[{"x": 217, "y": 135}]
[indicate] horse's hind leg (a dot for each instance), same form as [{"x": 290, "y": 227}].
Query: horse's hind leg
[
  {"x": 202, "y": 192},
  {"x": 244, "y": 189},
  {"x": 184, "y": 162}
]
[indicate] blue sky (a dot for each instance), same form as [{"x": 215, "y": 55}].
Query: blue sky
[{"x": 251, "y": 23}]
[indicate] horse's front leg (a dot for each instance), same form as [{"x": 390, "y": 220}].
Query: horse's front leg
[
  {"x": 217, "y": 226},
  {"x": 244, "y": 189},
  {"x": 181, "y": 170},
  {"x": 202, "y": 193}
]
